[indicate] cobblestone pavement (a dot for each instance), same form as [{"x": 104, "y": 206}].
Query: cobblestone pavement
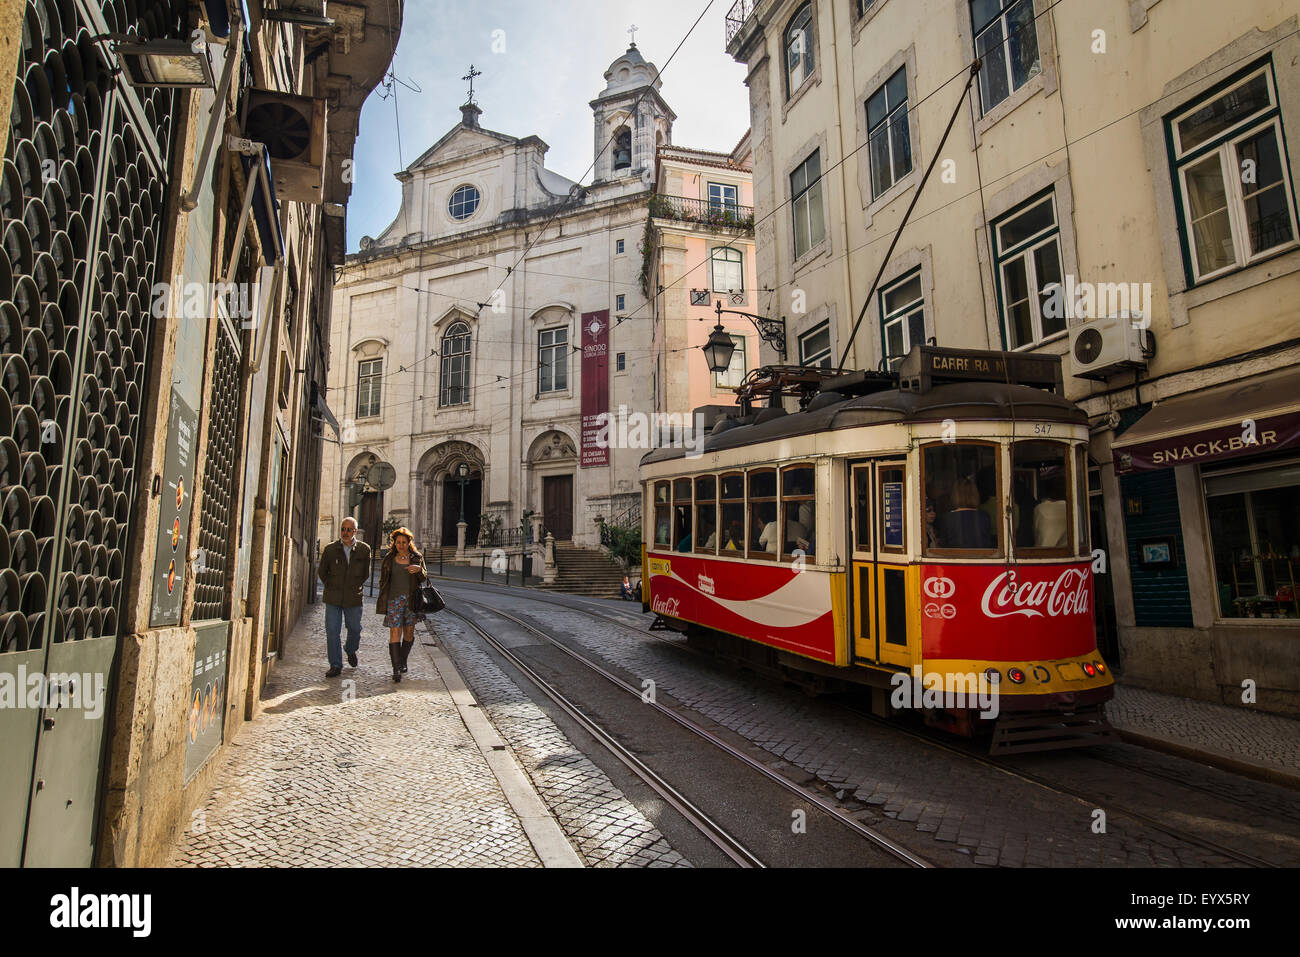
[
  {"x": 608, "y": 830},
  {"x": 989, "y": 817},
  {"x": 390, "y": 778},
  {"x": 1241, "y": 732}
]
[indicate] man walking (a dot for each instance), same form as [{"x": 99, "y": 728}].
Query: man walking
[{"x": 344, "y": 569}]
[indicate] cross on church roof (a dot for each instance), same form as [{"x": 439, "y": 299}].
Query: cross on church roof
[
  {"x": 470, "y": 76},
  {"x": 632, "y": 33}
]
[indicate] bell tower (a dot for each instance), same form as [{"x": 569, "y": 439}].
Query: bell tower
[{"x": 632, "y": 120}]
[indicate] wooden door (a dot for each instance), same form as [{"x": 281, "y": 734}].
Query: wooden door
[{"x": 557, "y": 506}]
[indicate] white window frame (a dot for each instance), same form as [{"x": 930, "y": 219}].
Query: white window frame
[
  {"x": 1002, "y": 21},
  {"x": 901, "y": 315},
  {"x": 1025, "y": 249},
  {"x": 737, "y": 263},
  {"x": 806, "y": 198},
  {"x": 886, "y": 128},
  {"x": 815, "y": 360},
  {"x": 374, "y": 393},
  {"x": 619, "y": 248},
  {"x": 807, "y": 42},
  {"x": 620, "y": 302},
  {"x": 553, "y": 356},
  {"x": 727, "y": 196},
  {"x": 1225, "y": 145},
  {"x": 451, "y": 199}
]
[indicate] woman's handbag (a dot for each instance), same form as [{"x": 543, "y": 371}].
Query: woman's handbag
[{"x": 427, "y": 600}]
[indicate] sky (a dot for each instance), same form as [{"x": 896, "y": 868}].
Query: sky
[{"x": 540, "y": 72}]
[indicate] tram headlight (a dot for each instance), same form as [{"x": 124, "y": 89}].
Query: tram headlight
[
  {"x": 1016, "y": 675},
  {"x": 1089, "y": 669}
]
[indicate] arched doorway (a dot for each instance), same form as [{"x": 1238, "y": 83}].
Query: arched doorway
[
  {"x": 442, "y": 511},
  {"x": 552, "y": 462}
]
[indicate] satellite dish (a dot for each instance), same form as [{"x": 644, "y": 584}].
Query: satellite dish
[{"x": 381, "y": 476}]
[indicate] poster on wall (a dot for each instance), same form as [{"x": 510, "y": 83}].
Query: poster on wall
[
  {"x": 207, "y": 704},
  {"x": 170, "y": 564},
  {"x": 595, "y": 387}
]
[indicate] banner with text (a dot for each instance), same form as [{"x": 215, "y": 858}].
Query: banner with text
[{"x": 595, "y": 387}]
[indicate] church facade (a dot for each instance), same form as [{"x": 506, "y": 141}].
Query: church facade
[{"x": 471, "y": 336}]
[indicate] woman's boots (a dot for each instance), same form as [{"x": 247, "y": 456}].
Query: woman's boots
[
  {"x": 398, "y": 660},
  {"x": 406, "y": 652}
]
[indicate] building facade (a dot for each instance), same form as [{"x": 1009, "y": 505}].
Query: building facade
[
  {"x": 166, "y": 290},
  {"x": 701, "y": 253},
  {"x": 1123, "y": 160},
  {"x": 502, "y": 308}
]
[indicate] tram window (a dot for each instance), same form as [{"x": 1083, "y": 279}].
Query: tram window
[
  {"x": 963, "y": 494},
  {"x": 1040, "y": 513},
  {"x": 892, "y": 499},
  {"x": 682, "y": 515},
  {"x": 797, "y": 508},
  {"x": 763, "y": 534},
  {"x": 862, "y": 509},
  {"x": 706, "y": 514},
  {"x": 732, "y": 529},
  {"x": 663, "y": 515}
]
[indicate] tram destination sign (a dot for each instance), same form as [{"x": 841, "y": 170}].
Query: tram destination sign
[{"x": 927, "y": 366}]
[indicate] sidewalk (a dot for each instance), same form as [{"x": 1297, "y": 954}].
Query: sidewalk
[
  {"x": 1242, "y": 740},
  {"x": 359, "y": 771}
]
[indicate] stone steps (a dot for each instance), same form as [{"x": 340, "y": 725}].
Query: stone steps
[{"x": 586, "y": 571}]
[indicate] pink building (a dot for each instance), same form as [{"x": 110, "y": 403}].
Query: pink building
[{"x": 700, "y": 251}]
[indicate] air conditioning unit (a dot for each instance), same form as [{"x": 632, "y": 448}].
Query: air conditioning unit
[
  {"x": 293, "y": 129},
  {"x": 1105, "y": 346}
]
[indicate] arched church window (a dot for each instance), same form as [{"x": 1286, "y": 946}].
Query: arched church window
[
  {"x": 799, "y": 58},
  {"x": 623, "y": 149},
  {"x": 455, "y": 365}
]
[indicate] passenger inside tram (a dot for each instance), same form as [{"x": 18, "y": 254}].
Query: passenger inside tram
[
  {"x": 1050, "y": 526},
  {"x": 965, "y": 525},
  {"x": 735, "y": 534}
]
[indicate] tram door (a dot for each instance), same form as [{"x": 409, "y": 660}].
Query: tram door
[{"x": 879, "y": 567}]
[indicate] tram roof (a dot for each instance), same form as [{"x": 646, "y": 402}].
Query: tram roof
[{"x": 960, "y": 401}]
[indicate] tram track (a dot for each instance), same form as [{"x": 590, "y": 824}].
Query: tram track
[
  {"x": 729, "y": 844},
  {"x": 1065, "y": 790}
]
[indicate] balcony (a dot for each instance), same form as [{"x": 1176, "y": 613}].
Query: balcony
[
  {"x": 711, "y": 215},
  {"x": 740, "y": 11}
]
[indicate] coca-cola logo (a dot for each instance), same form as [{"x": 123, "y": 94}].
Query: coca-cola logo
[
  {"x": 1007, "y": 596},
  {"x": 664, "y": 606}
]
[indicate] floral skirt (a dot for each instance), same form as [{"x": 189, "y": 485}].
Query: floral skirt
[{"x": 400, "y": 614}]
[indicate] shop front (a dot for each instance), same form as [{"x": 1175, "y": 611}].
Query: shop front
[{"x": 1209, "y": 487}]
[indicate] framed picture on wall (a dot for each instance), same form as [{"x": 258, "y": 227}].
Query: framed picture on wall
[{"x": 1157, "y": 553}]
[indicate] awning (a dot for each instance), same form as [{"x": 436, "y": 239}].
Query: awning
[
  {"x": 1247, "y": 417},
  {"x": 325, "y": 412}
]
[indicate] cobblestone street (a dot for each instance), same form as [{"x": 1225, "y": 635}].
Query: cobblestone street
[{"x": 391, "y": 777}]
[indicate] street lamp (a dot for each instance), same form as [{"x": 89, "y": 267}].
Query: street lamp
[
  {"x": 718, "y": 350},
  {"x": 463, "y": 471},
  {"x": 163, "y": 64}
]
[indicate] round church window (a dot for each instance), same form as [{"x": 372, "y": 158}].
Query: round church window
[{"x": 464, "y": 201}]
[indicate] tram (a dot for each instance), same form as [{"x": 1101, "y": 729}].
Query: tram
[{"x": 923, "y": 533}]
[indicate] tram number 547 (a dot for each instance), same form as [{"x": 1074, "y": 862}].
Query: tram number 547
[{"x": 1043, "y": 428}]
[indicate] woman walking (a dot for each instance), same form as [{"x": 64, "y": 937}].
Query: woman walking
[{"x": 399, "y": 577}]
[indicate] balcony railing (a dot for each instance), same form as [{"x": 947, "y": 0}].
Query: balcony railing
[
  {"x": 714, "y": 215},
  {"x": 740, "y": 11}
]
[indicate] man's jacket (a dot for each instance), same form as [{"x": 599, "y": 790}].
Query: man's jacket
[{"x": 344, "y": 579}]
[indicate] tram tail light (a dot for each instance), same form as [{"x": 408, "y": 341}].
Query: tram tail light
[
  {"x": 1016, "y": 675},
  {"x": 1089, "y": 669},
  {"x": 1101, "y": 667},
  {"x": 993, "y": 675}
]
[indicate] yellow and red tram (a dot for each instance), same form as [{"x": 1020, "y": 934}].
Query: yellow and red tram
[{"x": 925, "y": 534}]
